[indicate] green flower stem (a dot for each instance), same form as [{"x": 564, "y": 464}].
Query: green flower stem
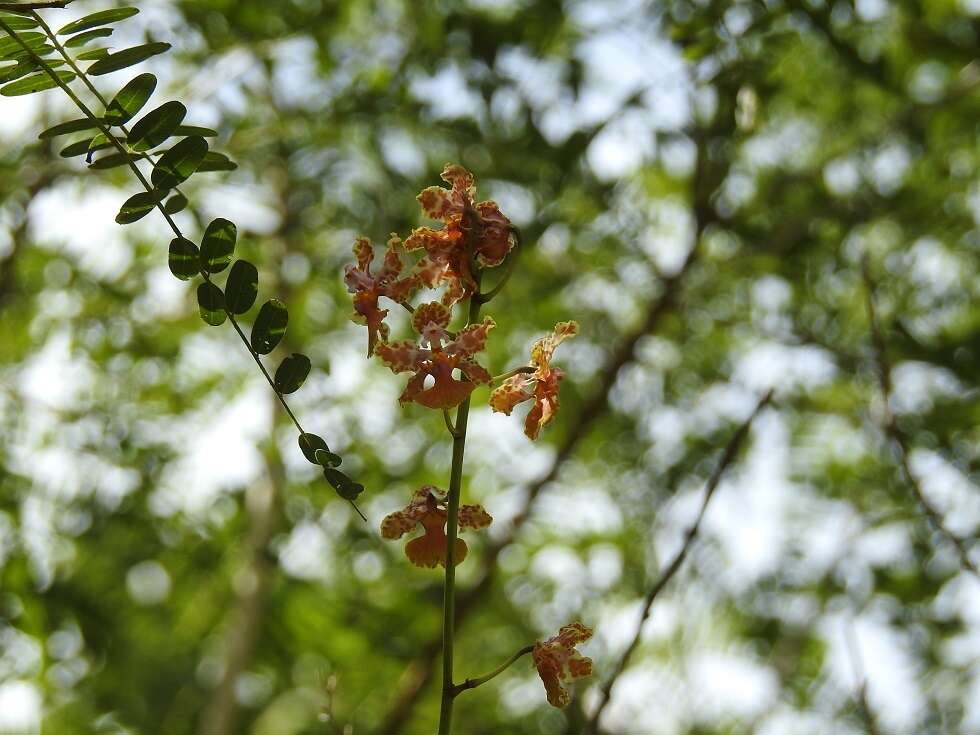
[
  {"x": 83, "y": 108},
  {"x": 474, "y": 683},
  {"x": 452, "y": 532}
]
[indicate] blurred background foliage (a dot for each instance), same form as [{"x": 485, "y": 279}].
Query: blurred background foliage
[{"x": 698, "y": 184}]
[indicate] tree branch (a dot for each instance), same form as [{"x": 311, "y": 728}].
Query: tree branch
[
  {"x": 894, "y": 433},
  {"x": 727, "y": 458}
]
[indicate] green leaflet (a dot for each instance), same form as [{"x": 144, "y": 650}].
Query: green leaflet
[
  {"x": 35, "y": 83},
  {"x": 175, "y": 204},
  {"x": 184, "y": 258},
  {"x": 292, "y": 373},
  {"x": 216, "y": 162},
  {"x": 82, "y": 38},
  {"x": 127, "y": 57},
  {"x": 103, "y": 17},
  {"x": 70, "y": 126},
  {"x": 130, "y": 99},
  {"x": 177, "y": 164},
  {"x": 269, "y": 327},
  {"x": 242, "y": 287},
  {"x": 138, "y": 206},
  {"x": 211, "y": 302},
  {"x": 156, "y": 126},
  {"x": 218, "y": 245}
]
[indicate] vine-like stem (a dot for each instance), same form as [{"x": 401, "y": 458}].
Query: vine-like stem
[
  {"x": 452, "y": 532},
  {"x": 140, "y": 176},
  {"x": 478, "y": 681}
]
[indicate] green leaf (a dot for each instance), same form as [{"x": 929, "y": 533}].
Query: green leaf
[
  {"x": 242, "y": 287},
  {"x": 184, "y": 258},
  {"x": 127, "y": 57},
  {"x": 196, "y": 130},
  {"x": 309, "y": 444},
  {"x": 81, "y": 148},
  {"x": 214, "y": 161},
  {"x": 212, "y": 304},
  {"x": 113, "y": 160},
  {"x": 70, "y": 126},
  {"x": 96, "y": 53},
  {"x": 350, "y": 490},
  {"x": 34, "y": 83},
  {"x": 177, "y": 164},
  {"x": 156, "y": 126},
  {"x": 218, "y": 245},
  {"x": 82, "y": 38},
  {"x": 269, "y": 327},
  {"x": 315, "y": 450},
  {"x": 32, "y": 40},
  {"x": 18, "y": 70},
  {"x": 327, "y": 458},
  {"x": 20, "y": 54},
  {"x": 103, "y": 17},
  {"x": 130, "y": 99},
  {"x": 292, "y": 373},
  {"x": 345, "y": 487},
  {"x": 138, "y": 206},
  {"x": 18, "y": 22},
  {"x": 175, "y": 204}
]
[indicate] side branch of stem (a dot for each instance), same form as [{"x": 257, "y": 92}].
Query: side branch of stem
[{"x": 480, "y": 680}]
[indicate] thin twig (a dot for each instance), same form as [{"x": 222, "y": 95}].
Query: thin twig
[
  {"x": 727, "y": 458},
  {"x": 478, "y": 681},
  {"x": 894, "y": 433}
]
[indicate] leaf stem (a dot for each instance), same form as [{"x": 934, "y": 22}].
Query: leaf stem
[{"x": 474, "y": 683}]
